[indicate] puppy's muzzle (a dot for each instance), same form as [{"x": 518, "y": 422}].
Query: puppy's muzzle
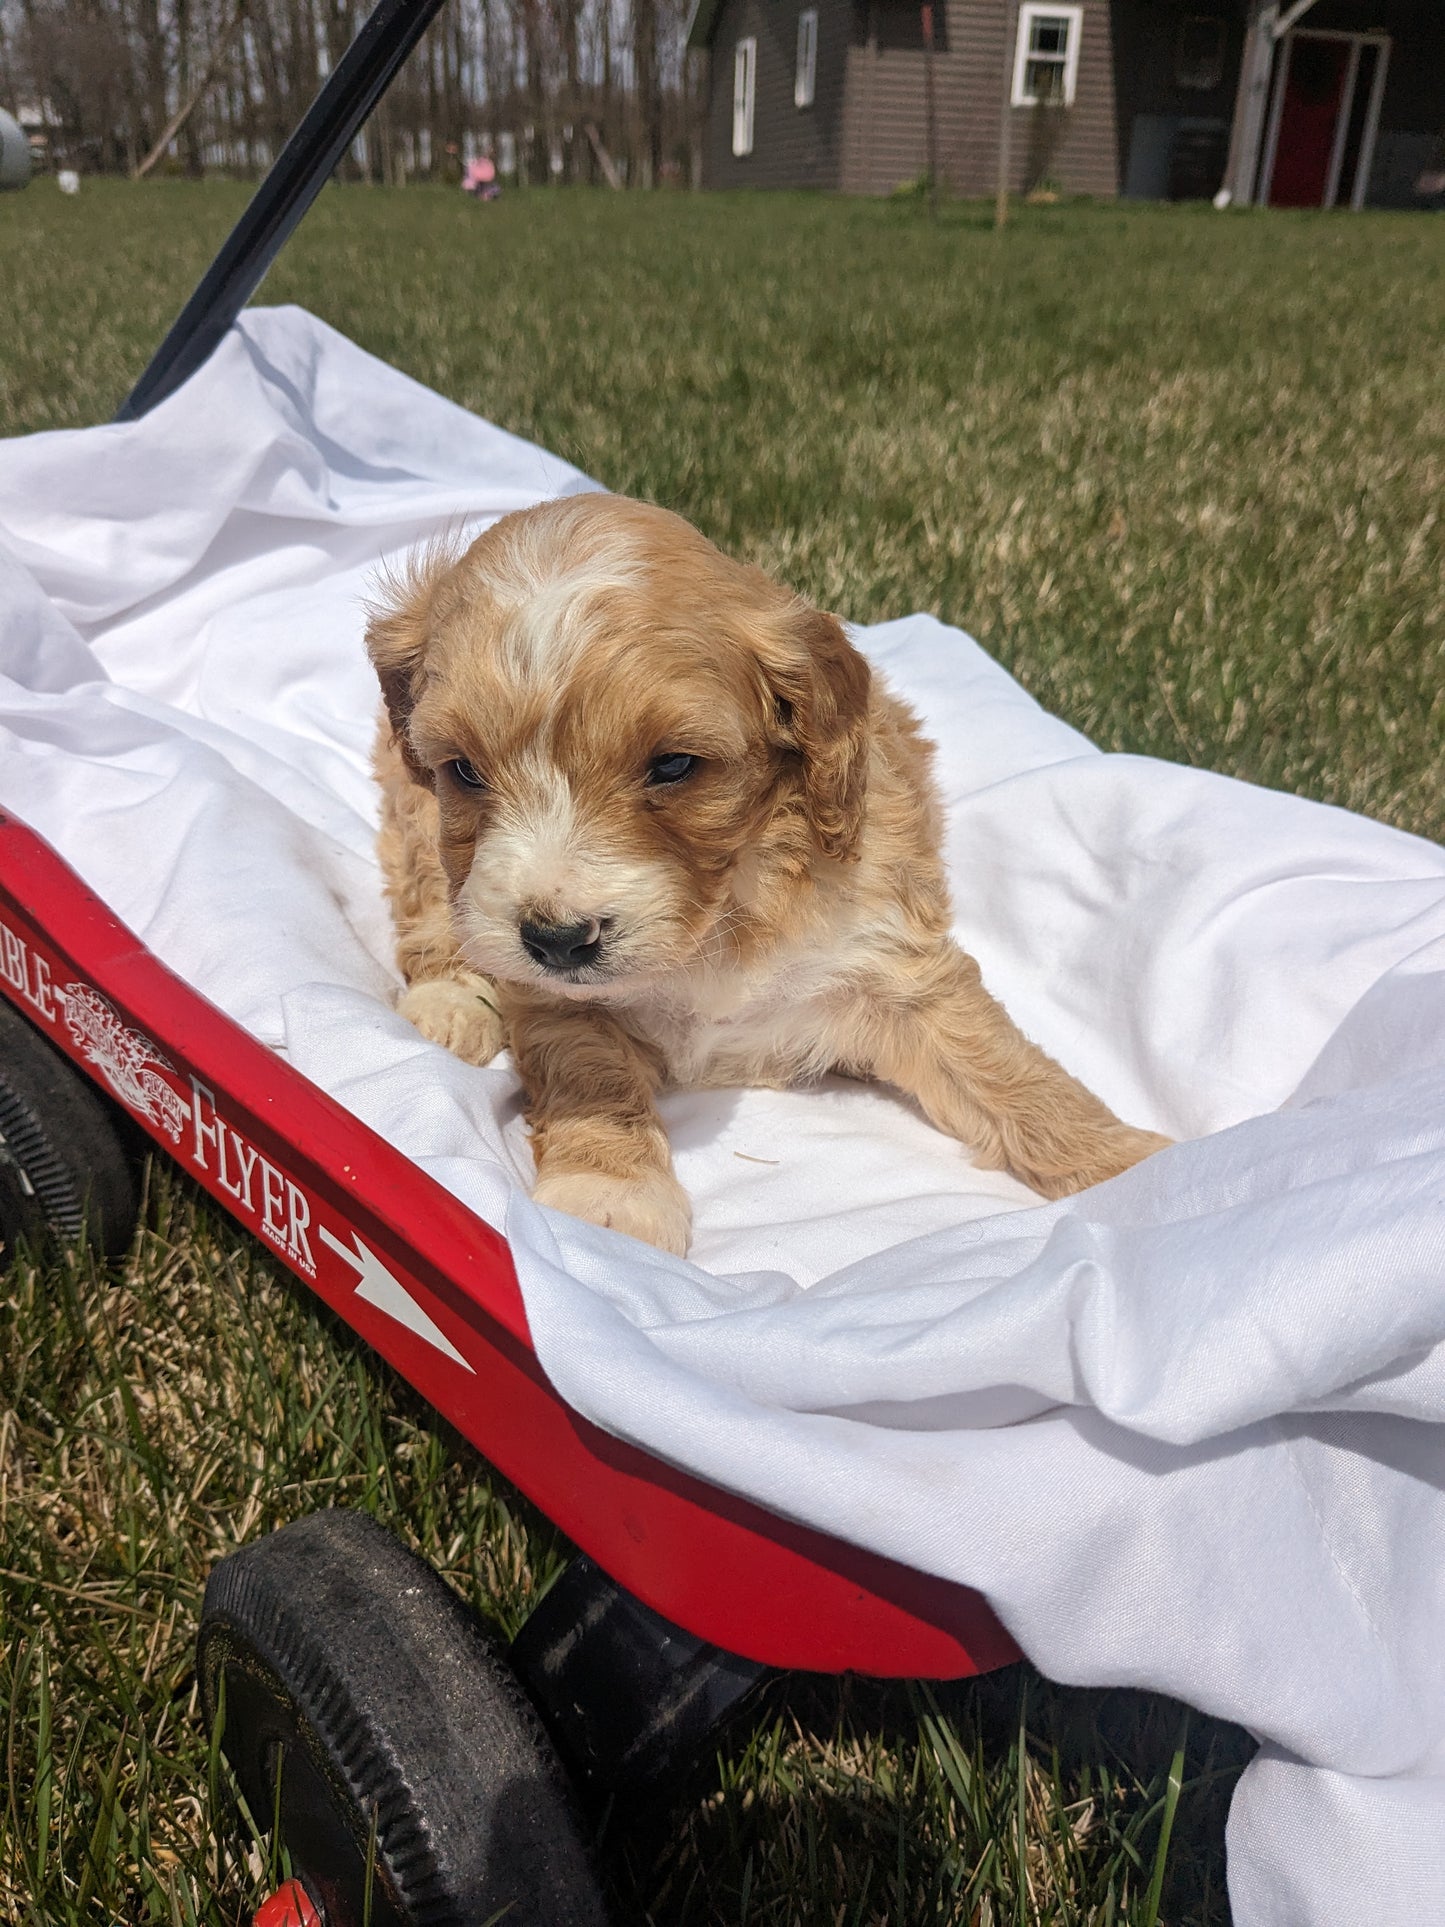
[{"x": 562, "y": 946}]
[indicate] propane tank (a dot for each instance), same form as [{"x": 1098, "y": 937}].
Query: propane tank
[{"x": 14, "y": 154}]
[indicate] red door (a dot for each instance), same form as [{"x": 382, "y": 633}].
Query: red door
[{"x": 1314, "y": 93}]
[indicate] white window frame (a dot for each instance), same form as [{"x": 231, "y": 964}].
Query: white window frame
[
  {"x": 806, "y": 79},
  {"x": 745, "y": 92},
  {"x": 1031, "y": 11}
]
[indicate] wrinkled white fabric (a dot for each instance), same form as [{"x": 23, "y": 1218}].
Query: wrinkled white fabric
[{"x": 1184, "y": 1431}]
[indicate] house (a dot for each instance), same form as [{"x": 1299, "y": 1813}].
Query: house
[{"x": 1318, "y": 103}]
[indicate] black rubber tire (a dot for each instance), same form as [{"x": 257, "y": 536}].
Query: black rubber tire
[
  {"x": 68, "y": 1168},
  {"x": 405, "y": 1741}
]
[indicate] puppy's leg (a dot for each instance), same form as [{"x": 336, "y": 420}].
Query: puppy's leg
[
  {"x": 456, "y": 1012},
  {"x": 447, "y": 1002},
  {"x": 953, "y": 1047},
  {"x": 601, "y": 1151}
]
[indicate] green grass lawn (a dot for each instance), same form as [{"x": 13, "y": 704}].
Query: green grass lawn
[{"x": 1182, "y": 473}]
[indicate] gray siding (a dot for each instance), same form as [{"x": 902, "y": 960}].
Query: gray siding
[
  {"x": 792, "y": 146},
  {"x": 1132, "y": 128},
  {"x": 885, "y": 142}
]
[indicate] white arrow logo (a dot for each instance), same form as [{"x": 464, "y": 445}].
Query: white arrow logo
[{"x": 388, "y": 1294}]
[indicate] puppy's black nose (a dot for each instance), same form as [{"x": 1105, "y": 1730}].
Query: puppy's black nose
[{"x": 562, "y": 946}]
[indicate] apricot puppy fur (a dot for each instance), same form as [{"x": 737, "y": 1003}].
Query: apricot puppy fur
[{"x": 651, "y": 821}]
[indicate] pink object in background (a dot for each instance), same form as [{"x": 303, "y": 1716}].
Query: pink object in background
[{"x": 480, "y": 178}]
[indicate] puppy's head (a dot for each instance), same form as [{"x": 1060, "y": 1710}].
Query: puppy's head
[{"x": 619, "y": 723}]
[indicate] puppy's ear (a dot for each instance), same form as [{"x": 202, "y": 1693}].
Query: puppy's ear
[
  {"x": 398, "y": 631},
  {"x": 820, "y": 686}
]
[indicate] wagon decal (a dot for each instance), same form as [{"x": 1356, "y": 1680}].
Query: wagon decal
[
  {"x": 380, "y": 1287},
  {"x": 128, "y": 1061},
  {"x": 263, "y": 1194}
]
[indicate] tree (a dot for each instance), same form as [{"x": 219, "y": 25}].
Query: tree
[{"x": 220, "y": 84}]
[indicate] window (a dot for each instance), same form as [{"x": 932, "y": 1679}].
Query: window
[
  {"x": 1046, "y": 59},
  {"x": 807, "y": 57},
  {"x": 1199, "y": 53},
  {"x": 745, "y": 75}
]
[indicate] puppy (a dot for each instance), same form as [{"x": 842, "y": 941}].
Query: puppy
[{"x": 651, "y": 821}]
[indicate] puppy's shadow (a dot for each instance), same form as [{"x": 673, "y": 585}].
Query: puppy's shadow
[
  {"x": 832, "y": 1792},
  {"x": 699, "y": 1120}
]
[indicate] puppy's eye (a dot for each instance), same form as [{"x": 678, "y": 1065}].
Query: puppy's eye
[
  {"x": 663, "y": 770},
  {"x": 467, "y": 774}
]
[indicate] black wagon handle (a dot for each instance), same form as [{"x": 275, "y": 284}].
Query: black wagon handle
[{"x": 330, "y": 124}]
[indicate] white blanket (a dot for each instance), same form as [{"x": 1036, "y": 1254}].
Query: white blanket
[{"x": 1184, "y": 1431}]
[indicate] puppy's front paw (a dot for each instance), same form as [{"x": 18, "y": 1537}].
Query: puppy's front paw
[
  {"x": 457, "y": 1012},
  {"x": 655, "y": 1209},
  {"x": 1111, "y": 1152}
]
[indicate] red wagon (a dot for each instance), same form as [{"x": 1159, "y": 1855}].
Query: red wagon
[{"x": 411, "y": 1768}]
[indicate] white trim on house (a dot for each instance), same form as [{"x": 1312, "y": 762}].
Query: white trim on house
[
  {"x": 1371, "y": 127},
  {"x": 745, "y": 87},
  {"x": 1026, "y": 55},
  {"x": 804, "y": 81},
  {"x": 1342, "y": 124}
]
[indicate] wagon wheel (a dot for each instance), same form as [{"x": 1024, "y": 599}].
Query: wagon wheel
[
  {"x": 65, "y": 1167},
  {"x": 367, "y": 1711}
]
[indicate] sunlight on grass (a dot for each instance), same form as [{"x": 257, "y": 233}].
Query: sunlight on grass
[
  {"x": 1182, "y": 475},
  {"x": 1181, "y": 472}
]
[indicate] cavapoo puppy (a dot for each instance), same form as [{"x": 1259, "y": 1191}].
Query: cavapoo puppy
[{"x": 651, "y": 821}]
